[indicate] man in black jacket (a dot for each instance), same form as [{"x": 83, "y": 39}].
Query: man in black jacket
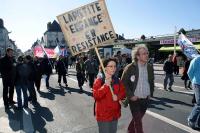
[
  {"x": 38, "y": 72},
  {"x": 7, "y": 69},
  {"x": 62, "y": 71},
  {"x": 168, "y": 68},
  {"x": 31, "y": 79},
  {"x": 47, "y": 69}
]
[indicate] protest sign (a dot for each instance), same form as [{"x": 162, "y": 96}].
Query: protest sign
[{"x": 87, "y": 27}]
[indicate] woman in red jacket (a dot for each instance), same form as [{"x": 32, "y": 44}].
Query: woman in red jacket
[{"x": 108, "y": 108}]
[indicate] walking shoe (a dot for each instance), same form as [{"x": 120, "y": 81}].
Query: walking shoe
[
  {"x": 81, "y": 91},
  {"x": 190, "y": 87},
  {"x": 165, "y": 89},
  {"x": 66, "y": 85},
  {"x": 38, "y": 89},
  {"x": 60, "y": 84},
  {"x": 186, "y": 87},
  {"x": 170, "y": 89}
]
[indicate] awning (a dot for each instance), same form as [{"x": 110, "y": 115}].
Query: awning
[{"x": 171, "y": 48}]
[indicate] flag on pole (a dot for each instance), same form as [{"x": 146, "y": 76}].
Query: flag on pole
[
  {"x": 44, "y": 51},
  {"x": 64, "y": 52},
  {"x": 187, "y": 47},
  {"x": 60, "y": 51},
  {"x": 41, "y": 45},
  {"x": 57, "y": 50}
]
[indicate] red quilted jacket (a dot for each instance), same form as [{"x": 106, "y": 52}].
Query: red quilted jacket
[{"x": 106, "y": 109}]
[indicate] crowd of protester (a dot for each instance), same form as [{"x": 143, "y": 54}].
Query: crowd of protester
[{"x": 125, "y": 80}]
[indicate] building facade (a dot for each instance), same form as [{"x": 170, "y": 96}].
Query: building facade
[
  {"x": 5, "y": 42},
  {"x": 54, "y": 36},
  {"x": 162, "y": 45}
]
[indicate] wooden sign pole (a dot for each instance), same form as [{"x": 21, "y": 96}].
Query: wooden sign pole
[{"x": 101, "y": 63}]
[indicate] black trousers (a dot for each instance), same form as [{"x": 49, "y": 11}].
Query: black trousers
[
  {"x": 91, "y": 79},
  {"x": 32, "y": 92},
  {"x": 38, "y": 81},
  {"x": 81, "y": 79},
  {"x": 64, "y": 78},
  {"x": 8, "y": 91}
]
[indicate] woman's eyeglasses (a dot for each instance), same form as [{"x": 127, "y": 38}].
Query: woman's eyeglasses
[{"x": 111, "y": 66}]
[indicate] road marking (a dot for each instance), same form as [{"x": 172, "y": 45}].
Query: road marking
[
  {"x": 1, "y": 103},
  {"x": 165, "y": 119},
  {"x": 160, "y": 87},
  {"x": 171, "y": 122}
]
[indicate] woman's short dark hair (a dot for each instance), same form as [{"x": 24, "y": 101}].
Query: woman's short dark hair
[
  {"x": 9, "y": 49},
  {"x": 28, "y": 57},
  {"x": 20, "y": 58},
  {"x": 106, "y": 61}
]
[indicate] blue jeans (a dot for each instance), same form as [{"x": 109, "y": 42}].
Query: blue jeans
[
  {"x": 194, "y": 117},
  {"x": 171, "y": 80},
  {"x": 22, "y": 88}
]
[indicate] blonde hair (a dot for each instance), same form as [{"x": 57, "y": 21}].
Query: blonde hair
[{"x": 135, "y": 51}]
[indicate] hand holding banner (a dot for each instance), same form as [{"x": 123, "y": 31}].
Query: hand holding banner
[{"x": 87, "y": 27}]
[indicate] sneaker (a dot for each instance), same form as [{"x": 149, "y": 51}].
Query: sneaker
[
  {"x": 170, "y": 89},
  {"x": 81, "y": 91},
  {"x": 38, "y": 89},
  {"x": 190, "y": 87},
  {"x": 66, "y": 85},
  {"x": 165, "y": 89}
]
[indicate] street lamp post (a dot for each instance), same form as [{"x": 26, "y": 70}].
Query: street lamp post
[{"x": 175, "y": 41}]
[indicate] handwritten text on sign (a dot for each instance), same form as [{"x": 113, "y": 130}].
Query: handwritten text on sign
[{"x": 87, "y": 27}]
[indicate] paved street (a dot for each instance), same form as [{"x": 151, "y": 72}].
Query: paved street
[{"x": 65, "y": 110}]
